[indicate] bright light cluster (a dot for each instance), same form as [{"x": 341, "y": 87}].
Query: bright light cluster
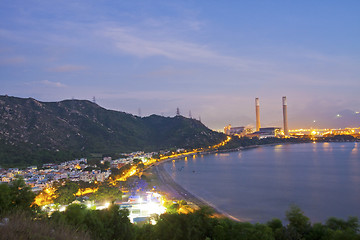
[
  {"x": 324, "y": 132},
  {"x": 146, "y": 208}
]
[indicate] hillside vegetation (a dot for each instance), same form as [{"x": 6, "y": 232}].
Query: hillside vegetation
[{"x": 34, "y": 132}]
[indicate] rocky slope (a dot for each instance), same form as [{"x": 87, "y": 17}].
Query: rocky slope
[{"x": 34, "y": 131}]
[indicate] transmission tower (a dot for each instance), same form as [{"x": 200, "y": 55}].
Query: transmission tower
[
  {"x": 177, "y": 111},
  {"x": 190, "y": 116},
  {"x": 94, "y": 100}
]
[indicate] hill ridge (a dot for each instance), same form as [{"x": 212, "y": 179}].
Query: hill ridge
[{"x": 80, "y": 127}]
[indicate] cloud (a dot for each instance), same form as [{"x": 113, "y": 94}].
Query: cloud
[
  {"x": 166, "y": 72},
  {"x": 12, "y": 60},
  {"x": 53, "y": 84},
  {"x": 129, "y": 41},
  {"x": 67, "y": 68},
  {"x": 194, "y": 25}
]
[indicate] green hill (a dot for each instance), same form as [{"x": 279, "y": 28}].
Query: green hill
[{"x": 34, "y": 132}]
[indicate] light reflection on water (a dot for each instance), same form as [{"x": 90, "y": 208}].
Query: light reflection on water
[
  {"x": 278, "y": 148},
  {"x": 355, "y": 150},
  {"x": 261, "y": 183}
]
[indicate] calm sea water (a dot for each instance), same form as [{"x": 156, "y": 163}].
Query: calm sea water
[{"x": 256, "y": 185}]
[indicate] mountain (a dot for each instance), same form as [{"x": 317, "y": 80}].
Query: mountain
[{"x": 35, "y": 132}]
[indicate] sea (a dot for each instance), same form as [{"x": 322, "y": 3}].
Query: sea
[{"x": 261, "y": 183}]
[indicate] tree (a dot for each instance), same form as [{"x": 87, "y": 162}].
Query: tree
[
  {"x": 83, "y": 185},
  {"x": 299, "y": 224},
  {"x": 277, "y": 228},
  {"x": 352, "y": 224},
  {"x": 21, "y": 195},
  {"x": 66, "y": 193},
  {"x": 75, "y": 215},
  {"x": 119, "y": 223},
  {"x": 16, "y": 195},
  {"x": 275, "y": 224},
  {"x": 319, "y": 231},
  {"x": 106, "y": 193},
  {"x": 111, "y": 223},
  {"x": 261, "y": 231},
  {"x": 5, "y": 198},
  {"x": 219, "y": 233},
  {"x": 95, "y": 224}
]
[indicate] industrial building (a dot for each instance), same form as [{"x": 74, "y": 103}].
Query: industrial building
[
  {"x": 267, "y": 132},
  {"x": 261, "y": 132},
  {"x": 229, "y": 130}
]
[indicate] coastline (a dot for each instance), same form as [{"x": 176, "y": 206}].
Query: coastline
[{"x": 173, "y": 190}]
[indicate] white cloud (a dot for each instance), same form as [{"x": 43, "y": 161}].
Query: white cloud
[
  {"x": 194, "y": 25},
  {"x": 53, "y": 84},
  {"x": 129, "y": 41},
  {"x": 67, "y": 68},
  {"x": 12, "y": 60}
]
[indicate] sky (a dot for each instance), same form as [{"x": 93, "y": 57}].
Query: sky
[{"x": 212, "y": 58}]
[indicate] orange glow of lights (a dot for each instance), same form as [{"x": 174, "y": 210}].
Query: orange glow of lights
[
  {"x": 82, "y": 192},
  {"x": 133, "y": 170},
  {"x": 45, "y": 197}
]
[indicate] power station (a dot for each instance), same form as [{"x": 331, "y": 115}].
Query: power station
[
  {"x": 261, "y": 132},
  {"x": 285, "y": 120},
  {"x": 271, "y": 129},
  {"x": 286, "y": 129},
  {"x": 257, "y": 110}
]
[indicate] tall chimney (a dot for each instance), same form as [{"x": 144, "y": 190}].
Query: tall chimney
[
  {"x": 257, "y": 109},
  {"x": 286, "y": 130}
]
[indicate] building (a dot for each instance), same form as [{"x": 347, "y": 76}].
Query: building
[
  {"x": 267, "y": 132},
  {"x": 229, "y": 130}
]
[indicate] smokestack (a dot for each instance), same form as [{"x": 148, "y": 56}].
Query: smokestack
[
  {"x": 257, "y": 109},
  {"x": 286, "y": 130}
]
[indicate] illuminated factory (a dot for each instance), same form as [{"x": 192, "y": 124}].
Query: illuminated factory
[
  {"x": 285, "y": 132},
  {"x": 260, "y": 132},
  {"x": 257, "y": 111},
  {"x": 286, "y": 129}
]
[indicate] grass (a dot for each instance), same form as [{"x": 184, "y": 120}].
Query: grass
[{"x": 21, "y": 226}]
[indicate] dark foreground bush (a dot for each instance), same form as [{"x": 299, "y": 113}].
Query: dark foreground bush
[
  {"x": 21, "y": 225},
  {"x": 79, "y": 222}
]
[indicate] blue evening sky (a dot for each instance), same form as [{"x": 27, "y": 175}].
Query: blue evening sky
[{"x": 210, "y": 57}]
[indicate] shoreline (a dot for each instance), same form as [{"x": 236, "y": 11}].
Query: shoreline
[{"x": 174, "y": 190}]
